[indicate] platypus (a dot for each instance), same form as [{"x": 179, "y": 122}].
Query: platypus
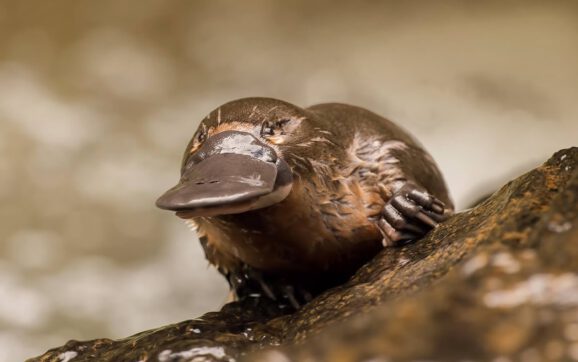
[{"x": 288, "y": 201}]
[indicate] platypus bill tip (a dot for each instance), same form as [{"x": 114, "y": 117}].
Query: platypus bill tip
[{"x": 224, "y": 184}]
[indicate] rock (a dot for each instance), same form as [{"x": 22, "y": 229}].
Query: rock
[{"x": 496, "y": 281}]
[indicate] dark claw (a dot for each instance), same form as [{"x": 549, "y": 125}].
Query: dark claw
[
  {"x": 268, "y": 292},
  {"x": 250, "y": 282},
  {"x": 398, "y": 221},
  {"x": 425, "y": 200},
  {"x": 391, "y": 236},
  {"x": 426, "y": 219},
  {"x": 437, "y": 217},
  {"x": 394, "y": 217},
  {"x": 438, "y": 207},
  {"x": 289, "y": 292},
  {"x": 409, "y": 214},
  {"x": 406, "y": 206}
]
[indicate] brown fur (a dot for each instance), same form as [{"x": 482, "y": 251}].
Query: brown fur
[{"x": 346, "y": 162}]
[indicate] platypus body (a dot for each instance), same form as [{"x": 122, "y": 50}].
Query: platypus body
[{"x": 289, "y": 201}]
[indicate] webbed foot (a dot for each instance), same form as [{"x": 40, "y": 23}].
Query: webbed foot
[
  {"x": 409, "y": 214},
  {"x": 250, "y": 282}
]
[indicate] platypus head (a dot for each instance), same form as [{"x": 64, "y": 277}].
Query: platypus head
[{"x": 235, "y": 162}]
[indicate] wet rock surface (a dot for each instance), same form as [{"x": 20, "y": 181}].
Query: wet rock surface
[{"x": 496, "y": 281}]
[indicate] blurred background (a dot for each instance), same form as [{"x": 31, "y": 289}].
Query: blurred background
[{"x": 99, "y": 98}]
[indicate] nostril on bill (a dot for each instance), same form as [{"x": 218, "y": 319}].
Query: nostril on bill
[{"x": 202, "y": 182}]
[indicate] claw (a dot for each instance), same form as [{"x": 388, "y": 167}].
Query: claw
[
  {"x": 409, "y": 214},
  {"x": 257, "y": 276},
  {"x": 423, "y": 217},
  {"x": 408, "y": 207},
  {"x": 386, "y": 240},
  {"x": 392, "y": 236},
  {"x": 290, "y": 294},
  {"x": 425, "y": 200},
  {"x": 250, "y": 282},
  {"x": 394, "y": 217},
  {"x": 437, "y": 208},
  {"x": 268, "y": 292}
]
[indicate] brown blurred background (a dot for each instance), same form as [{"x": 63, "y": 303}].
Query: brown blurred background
[{"x": 99, "y": 98}]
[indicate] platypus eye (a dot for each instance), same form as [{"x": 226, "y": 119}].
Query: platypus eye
[
  {"x": 275, "y": 128},
  {"x": 201, "y": 135}
]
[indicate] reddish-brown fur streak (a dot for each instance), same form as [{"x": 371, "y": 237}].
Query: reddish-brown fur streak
[{"x": 346, "y": 165}]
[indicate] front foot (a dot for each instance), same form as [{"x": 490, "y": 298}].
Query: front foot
[
  {"x": 250, "y": 282},
  {"x": 410, "y": 214}
]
